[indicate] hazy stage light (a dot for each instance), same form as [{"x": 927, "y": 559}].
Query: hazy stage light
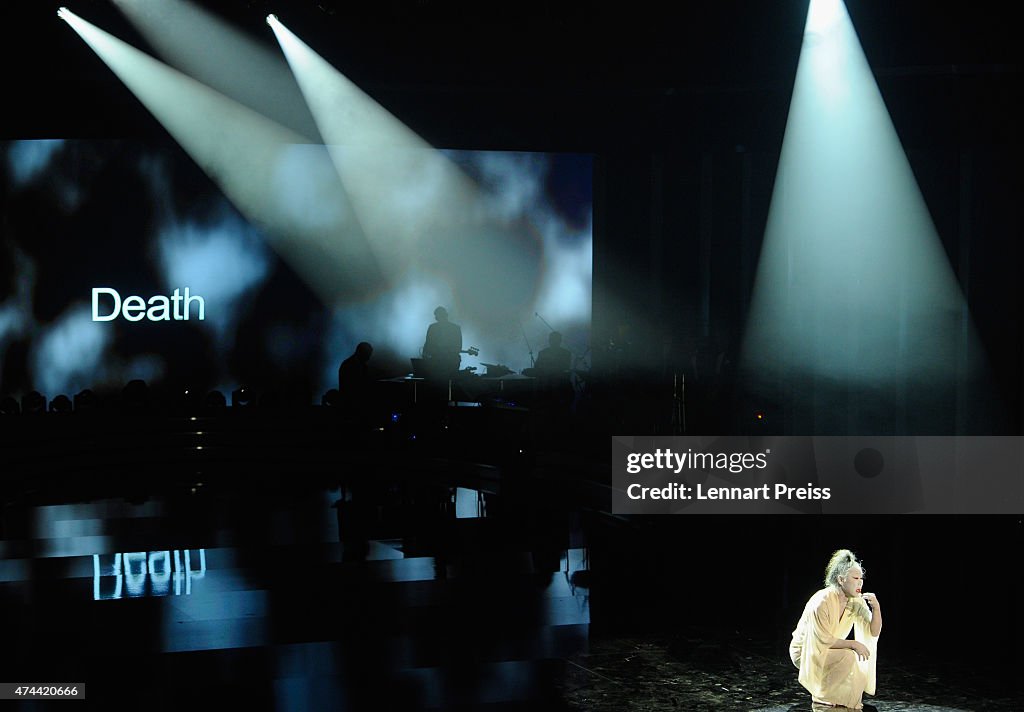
[
  {"x": 371, "y": 218},
  {"x": 423, "y": 217},
  {"x": 245, "y": 154},
  {"x": 204, "y": 46},
  {"x": 823, "y": 16},
  {"x": 853, "y": 286},
  {"x": 400, "y": 186}
]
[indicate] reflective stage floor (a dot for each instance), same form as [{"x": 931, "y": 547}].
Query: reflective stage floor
[
  {"x": 693, "y": 673},
  {"x": 419, "y": 595},
  {"x": 253, "y": 599}
]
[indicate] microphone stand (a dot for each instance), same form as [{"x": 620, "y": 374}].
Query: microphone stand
[
  {"x": 550, "y": 328},
  {"x": 579, "y": 382},
  {"x": 528, "y": 347}
]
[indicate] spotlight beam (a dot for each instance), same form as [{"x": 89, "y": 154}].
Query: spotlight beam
[
  {"x": 400, "y": 186},
  {"x": 255, "y": 161},
  {"x": 853, "y": 285},
  {"x": 419, "y": 211},
  {"x": 217, "y": 54}
]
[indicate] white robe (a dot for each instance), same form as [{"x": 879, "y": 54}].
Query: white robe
[{"x": 834, "y": 675}]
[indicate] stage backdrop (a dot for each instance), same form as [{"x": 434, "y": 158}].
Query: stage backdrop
[{"x": 121, "y": 260}]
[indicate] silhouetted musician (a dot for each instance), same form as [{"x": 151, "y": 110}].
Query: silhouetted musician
[
  {"x": 554, "y": 360},
  {"x": 552, "y": 370},
  {"x": 354, "y": 379},
  {"x": 442, "y": 346}
]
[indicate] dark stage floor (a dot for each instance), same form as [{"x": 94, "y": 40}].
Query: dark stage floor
[
  {"x": 415, "y": 593},
  {"x": 695, "y": 673},
  {"x": 252, "y": 599}
]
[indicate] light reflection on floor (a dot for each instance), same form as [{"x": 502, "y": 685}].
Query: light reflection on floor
[
  {"x": 442, "y": 617},
  {"x": 452, "y": 603},
  {"x": 469, "y": 503},
  {"x": 154, "y": 573}
]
